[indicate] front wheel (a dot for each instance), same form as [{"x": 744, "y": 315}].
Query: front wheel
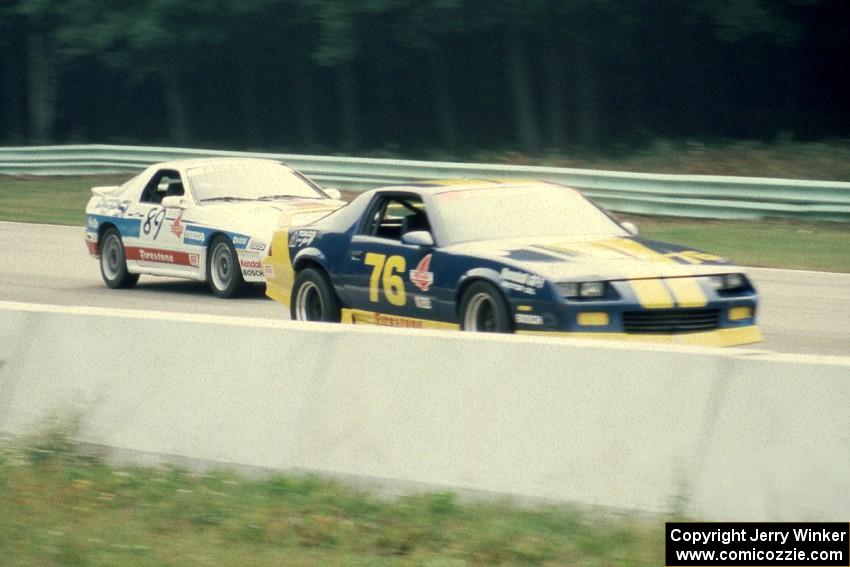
[
  {"x": 313, "y": 298},
  {"x": 223, "y": 272},
  {"x": 113, "y": 261},
  {"x": 483, "y": 309}
]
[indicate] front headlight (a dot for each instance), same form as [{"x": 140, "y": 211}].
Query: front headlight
[
  {"x": 583, "y": 289},
  {"x": 728, "y": 282}
]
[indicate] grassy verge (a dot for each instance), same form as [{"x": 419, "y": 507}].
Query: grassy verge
[
  {"x": 770, "y": 243},
  {"x": 774, "y": 243},
  {"x": 62, "y": 507},
  {"x": 52, "y": 200}
]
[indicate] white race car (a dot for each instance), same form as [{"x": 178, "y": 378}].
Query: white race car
[{"x": 204, "y": 219}]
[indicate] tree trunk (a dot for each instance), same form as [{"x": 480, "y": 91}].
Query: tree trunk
[
  {"x": 556, "y": 97},
  {"x": 41, "y": 82},
  {"x": 347, "y": 107},
  {"x": 444, "y": 111},
  {"x": 525, "y": 112},
  {"x": 586, "y": 111},
  {"x": 178, "y": 125}
]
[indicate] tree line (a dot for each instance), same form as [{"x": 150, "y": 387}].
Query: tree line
[{"x": 419, "y": 75}]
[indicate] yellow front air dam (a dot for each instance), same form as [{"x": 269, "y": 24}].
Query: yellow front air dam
[{"x": 718, "y": 338}]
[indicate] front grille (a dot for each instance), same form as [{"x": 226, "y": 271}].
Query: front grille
[{"x": 671, "y": 321}]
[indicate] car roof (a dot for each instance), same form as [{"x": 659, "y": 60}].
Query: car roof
[
  {"x": 436, "y": 186},
  {"x": 184, "y": 164}
]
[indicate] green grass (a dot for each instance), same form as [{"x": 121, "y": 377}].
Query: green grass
[
  {"x": 59, "y": 506},
  {"x": 52, "y": 200},
  {"x": 771, "y": 243}
]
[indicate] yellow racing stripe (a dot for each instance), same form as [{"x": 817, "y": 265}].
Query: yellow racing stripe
[
  {"x": 652, "y": 294},
  {"x": 687, "y": 292}
]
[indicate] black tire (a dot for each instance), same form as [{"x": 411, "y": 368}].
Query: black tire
[
  {"x": 483, "y": 309},
  {"x": 113, "y": 261},
  {"x": 313, "y": 298},
  {"x": 223, "y": 271}
]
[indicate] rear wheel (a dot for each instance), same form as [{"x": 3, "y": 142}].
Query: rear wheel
[
  {"x": 313, "y": 298},
  {"x": 113, "y": 261},
  {"x": 483, "y": 309},
  {"x": 223, "y": 272}
]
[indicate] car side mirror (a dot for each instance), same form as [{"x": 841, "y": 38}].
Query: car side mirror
[
  {"x": 630, "y": 227},
  {"x": 418, "y": 238},
  {"x": 333, "y": 193},
  {"x": 174, "y": 202}
]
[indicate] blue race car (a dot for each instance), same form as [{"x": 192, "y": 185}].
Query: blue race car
[{"x": 504, "y": 256}]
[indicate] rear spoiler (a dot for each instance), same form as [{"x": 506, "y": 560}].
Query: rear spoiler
[{"x": 104, "y": 191}]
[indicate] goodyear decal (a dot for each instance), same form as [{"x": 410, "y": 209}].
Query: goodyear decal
[
  {"x": 196, "y": 235},
  {"x": 127, "y": 227}
]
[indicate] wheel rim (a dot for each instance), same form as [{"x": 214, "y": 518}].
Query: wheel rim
[
  {"x": 481, "y": 314},
  {"x": 308, "y": 303},
  {"x": 111, "y": 257},
  {"x": 221, "y": 266}
]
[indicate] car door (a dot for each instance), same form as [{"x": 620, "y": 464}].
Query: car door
[
  {"x": 387, "y": 276},
  {"x": 159, "y": 246}
]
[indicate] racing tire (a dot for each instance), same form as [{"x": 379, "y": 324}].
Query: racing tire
[
  {"x": 313, "y": 298},
  {"x": 223, "y": 271},
  {"x": 483, "y": 310},
  {"x": 113, "y": 261}
]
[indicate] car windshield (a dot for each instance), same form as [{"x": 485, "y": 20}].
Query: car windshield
[
  {"x": 519, "y": 212},
  {"x": 251, "y": 181}
]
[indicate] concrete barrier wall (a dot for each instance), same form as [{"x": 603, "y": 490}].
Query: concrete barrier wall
[{"x": 735, "y": 434}]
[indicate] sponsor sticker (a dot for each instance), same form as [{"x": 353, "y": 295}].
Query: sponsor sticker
[
  {"x": 240, "y": 241},
  {"x": 194, "y": 260},
  {"x": 521, "y": 281},
  {"x": 252, "y": 273},
  {"x": 268, "y": 269},
  {"x": 391, "y": 321},
  {"x": 422, "y": 301},
  {"x": 92, "y": 222},
  {"x": 177, "y": 228},
  {"x": 193, "y": 237},
  {"x": 421, "y": 277},
  {"x": 251, "y": 264},
  {"x": 257, "y": 245},
  {"x": 300, "y": 238},
  {"x": 528, "y": 319}
]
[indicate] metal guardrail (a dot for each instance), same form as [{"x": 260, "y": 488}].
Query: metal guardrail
[{"x": 642, "y": 193}]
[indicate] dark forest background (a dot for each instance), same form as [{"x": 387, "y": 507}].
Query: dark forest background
[{"x": 416, "y": 75}]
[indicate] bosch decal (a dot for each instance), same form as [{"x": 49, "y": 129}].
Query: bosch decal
[{"x": 421, "y": 277}]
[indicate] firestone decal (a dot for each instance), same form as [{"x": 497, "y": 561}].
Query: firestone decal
[
  {"x": 521, "y": 281},
  {"x": 421, "y": 277}
]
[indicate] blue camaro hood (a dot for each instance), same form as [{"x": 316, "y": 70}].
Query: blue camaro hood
[{"x": 615, "y": 258}]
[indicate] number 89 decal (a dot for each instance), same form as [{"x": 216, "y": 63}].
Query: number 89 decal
[
  {"x": 154, "y": 220},
  {"x": 392, "y": 282}
]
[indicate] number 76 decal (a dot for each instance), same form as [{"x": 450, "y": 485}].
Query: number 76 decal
[{"x": 392, "y": 282}]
